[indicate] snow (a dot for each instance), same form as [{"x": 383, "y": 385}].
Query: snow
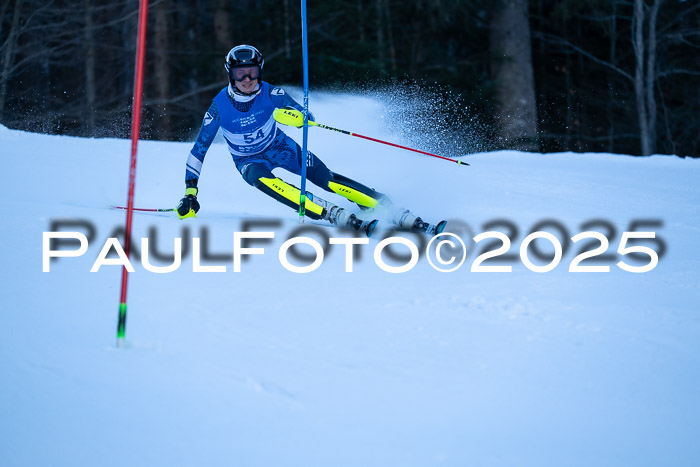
[{"x": 268, "y": 367}]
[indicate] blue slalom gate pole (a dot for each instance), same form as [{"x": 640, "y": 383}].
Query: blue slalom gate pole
[{"x": 304, "y": 149}]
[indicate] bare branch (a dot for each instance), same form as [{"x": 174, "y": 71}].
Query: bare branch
[{"x": 561, "y": 41}]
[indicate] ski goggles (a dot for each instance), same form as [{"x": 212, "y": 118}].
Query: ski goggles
[{"x": 239, "y": 74}]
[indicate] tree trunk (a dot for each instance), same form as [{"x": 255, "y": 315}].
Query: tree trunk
[
  {"x": 569, "y": 118},
  {"x": 645, "y": 72},
  {"x": 611, "y": 88},
  {"x": 360, "y": 22},
  {"x": 380, "y": 33},
  {"x": 287, "y": 33},
  {"x": 8, "y": 56},
  {"x": 392, "y": 49},
  {"x": 511, "y": 66},
  {"x": 651, "y": 75},
  {"x": 161, "y": 72},
  {"x": 639, "y": 53},
  {"x": 222, "y": 25},
  {"x": 90, "y": 86},
  {"x": 5, "y": 6}
]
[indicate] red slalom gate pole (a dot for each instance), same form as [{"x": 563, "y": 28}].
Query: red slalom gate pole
[{"x": 135, "y": 129}]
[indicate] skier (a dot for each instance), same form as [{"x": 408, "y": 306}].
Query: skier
[{"x": 243, "y": 111}]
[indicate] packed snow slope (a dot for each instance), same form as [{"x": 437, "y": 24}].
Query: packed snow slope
[{"x": 268, "y": 367}]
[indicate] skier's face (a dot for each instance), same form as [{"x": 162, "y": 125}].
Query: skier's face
[{"x": 246, "y": 78}]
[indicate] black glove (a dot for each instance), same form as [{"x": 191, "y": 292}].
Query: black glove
[{"x": 189, "y": 205}]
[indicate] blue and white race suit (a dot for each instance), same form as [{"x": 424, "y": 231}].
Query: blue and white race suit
[
  {"x": 251, "y": 134},
  {"x": 258, "y": 146}
]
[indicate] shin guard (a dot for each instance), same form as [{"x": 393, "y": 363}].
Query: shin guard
[
  {"x": 356, "y": 192},
  {"x": 289, "y": 195}
]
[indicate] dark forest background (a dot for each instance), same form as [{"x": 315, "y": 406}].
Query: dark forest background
[{"x": 568, "y": 75}]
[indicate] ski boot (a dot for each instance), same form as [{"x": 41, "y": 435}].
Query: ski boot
[
  {"x": 412, "y": 223},
  {"x": 341, "y": 217}
]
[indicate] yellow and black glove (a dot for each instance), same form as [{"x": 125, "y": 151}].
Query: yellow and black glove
[{"x": 189, "y": 205}]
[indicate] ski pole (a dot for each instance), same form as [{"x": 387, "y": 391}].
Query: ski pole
[
  {"x": 145, "y": 209},
  {"x": 293, "y": 117}
]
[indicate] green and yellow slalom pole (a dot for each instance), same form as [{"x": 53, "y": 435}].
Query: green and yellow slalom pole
[
  {"x": 305, "y": 118},
  {"x": 297, "y": 119}
]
